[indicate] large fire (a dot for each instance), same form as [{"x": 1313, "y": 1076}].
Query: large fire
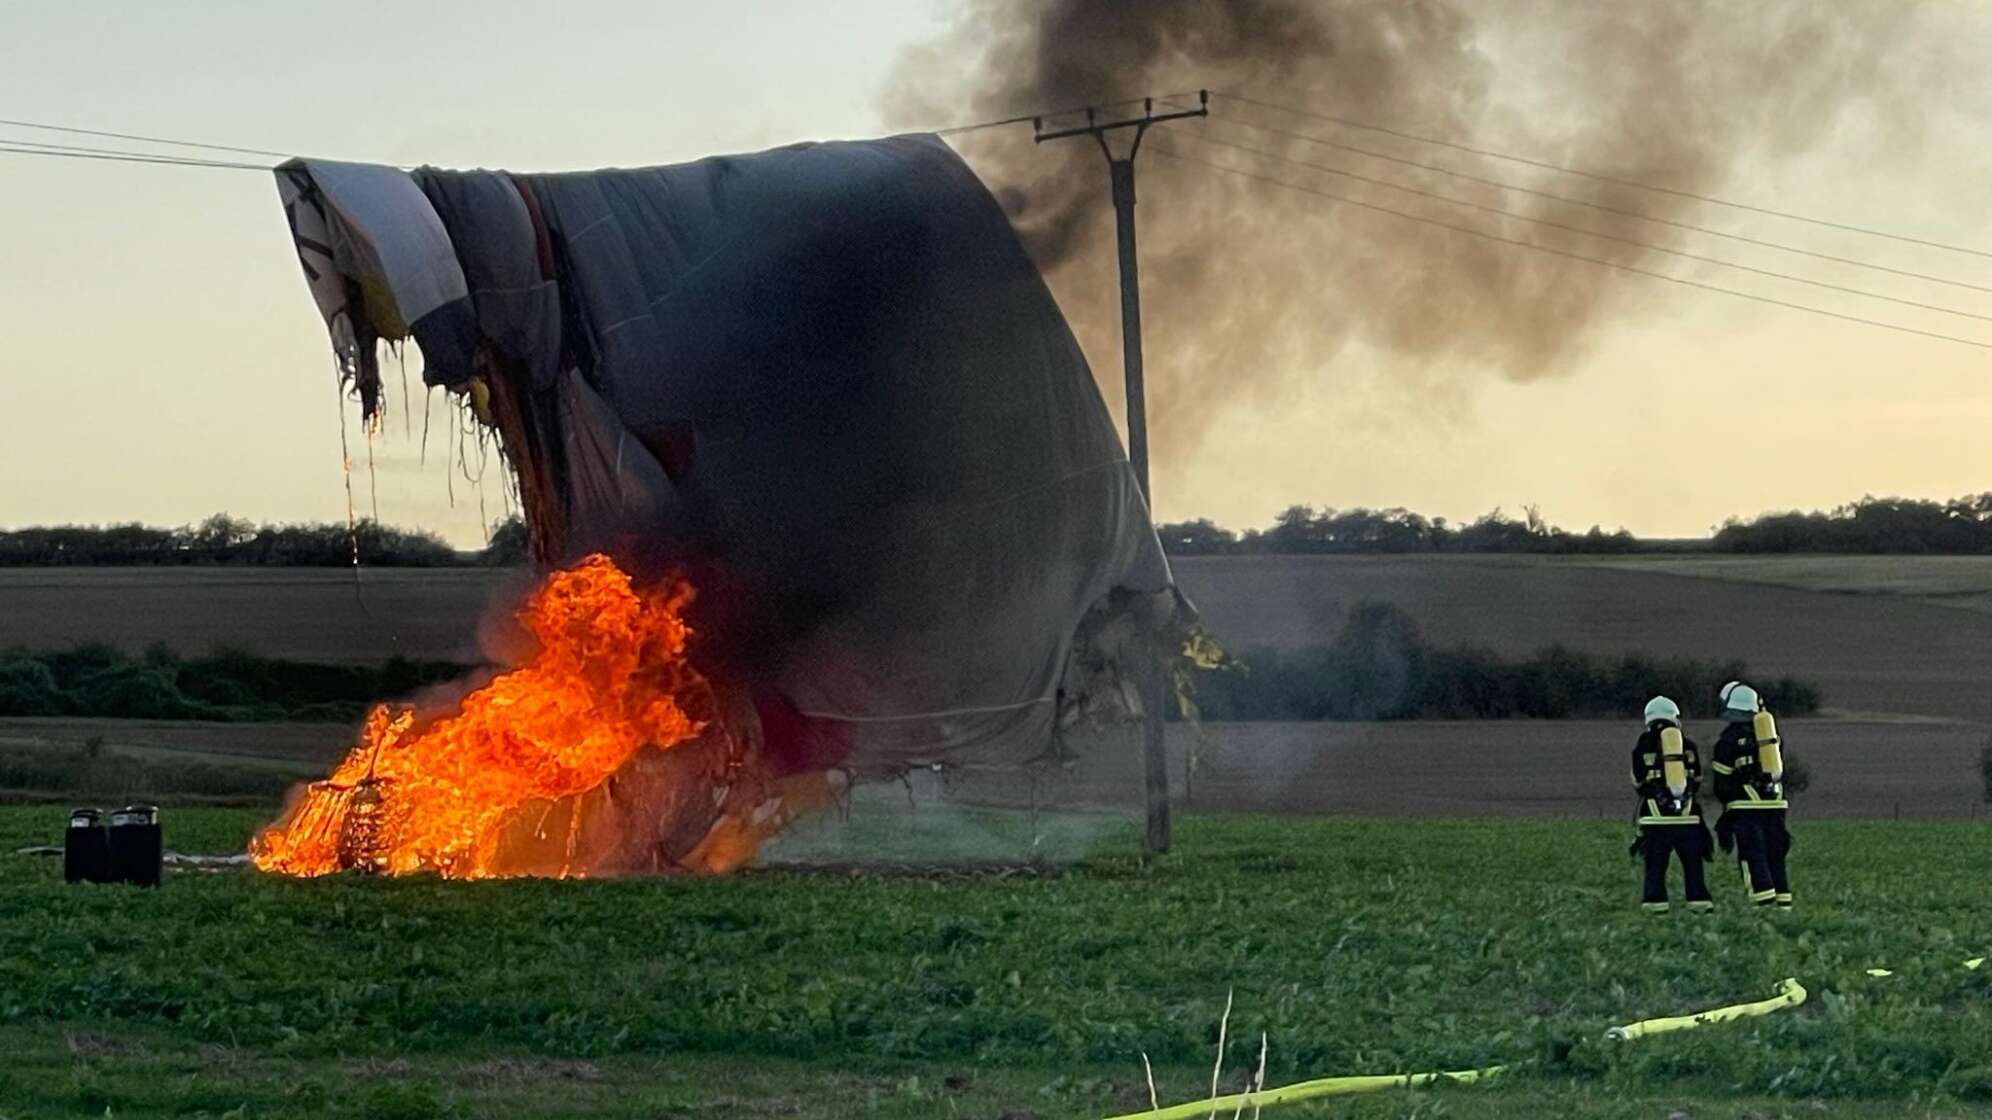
[{"x": 602, "y": 754}]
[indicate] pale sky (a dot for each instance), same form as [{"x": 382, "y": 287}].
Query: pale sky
[{"x": 163, "y": 360}]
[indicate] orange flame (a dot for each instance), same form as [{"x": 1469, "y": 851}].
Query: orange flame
[{"x": 608, "y": 689}]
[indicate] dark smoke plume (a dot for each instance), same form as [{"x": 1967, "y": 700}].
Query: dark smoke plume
[{"x": 1250, "y": 289}]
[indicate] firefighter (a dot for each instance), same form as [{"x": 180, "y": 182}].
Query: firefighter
[
  {"x": 1749, "y": 779},
  {"x": 1666, "y": 770}
]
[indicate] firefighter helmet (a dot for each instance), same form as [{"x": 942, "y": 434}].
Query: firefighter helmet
[
  {"x": 1662, "y": 710},
  {"x": 1741, "y": 698}
]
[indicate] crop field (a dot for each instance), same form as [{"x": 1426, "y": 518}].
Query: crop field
[
  {"x": 1871, "y": 653},
  {"x": 1906, "y": 681},
  {"x": 1353, "y": 946},
  {"x": 1963, "y": 582},
  {"x": 1898, "y": 646},
  {"x": 302, "y": 747},
  {"x": 307, "y": 614}
]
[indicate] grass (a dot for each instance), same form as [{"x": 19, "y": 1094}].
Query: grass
[
  {"x": 1357, "y": 946},
  {"x": 70, "y": 1072}
]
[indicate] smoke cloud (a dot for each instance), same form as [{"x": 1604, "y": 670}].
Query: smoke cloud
[{"x": 1250, "y": 289}]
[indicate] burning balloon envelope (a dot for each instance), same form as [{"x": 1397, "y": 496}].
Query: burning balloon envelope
[{"x": 825, "y": 386}]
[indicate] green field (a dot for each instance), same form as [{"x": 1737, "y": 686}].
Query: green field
[
  {"x": 1964, "y": 582},
  {"x": 1370, "y": 946}
]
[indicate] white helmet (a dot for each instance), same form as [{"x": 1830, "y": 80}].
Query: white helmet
[
  {"x": 1662, "y": 710},
  {"x": 1727, "y": 689},
  {"x": 1740, "y": 698}
]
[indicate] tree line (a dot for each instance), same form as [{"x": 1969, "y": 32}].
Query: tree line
[
  {"x": 1303, "y": 530},
  {"x": 225, "y": 540},
  {"x": 1960, "y": 526}
]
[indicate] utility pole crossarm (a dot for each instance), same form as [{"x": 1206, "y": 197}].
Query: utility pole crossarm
[
  {"x": 1097, "y": 128},
  {"x": 1153, "y": 683}
]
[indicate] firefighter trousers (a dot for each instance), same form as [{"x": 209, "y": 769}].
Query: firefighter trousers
[
  {"x": 1659, "y": 843},
  {"x": 1762, "y": 842}
]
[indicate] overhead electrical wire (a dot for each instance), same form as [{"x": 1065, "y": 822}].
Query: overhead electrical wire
[
  {"x": 22, "y": 146},
  {"x": 1585, "y": 257},
  {"x": 1568, "y": 228},
  {"x": 1600, "y": 177},
  {"x": 956, "y": 130},
  {"x": 18, "y": 148},
  {"x": 52, "y": 148},
  {"x": 143, "y": 138},
  {"x": 1571, "y": 200}
]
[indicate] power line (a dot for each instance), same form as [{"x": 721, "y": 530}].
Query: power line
[
  {"x": 1599, "y": 206},
  {"x": 145, "y": 139},
  {"x": 1547, "y": 166},
  {"x": 55, "y": 149},
  {"x": 955, "y": 130},
  {"x": 21, "y": 146},
  {"x": 1601, "y": 261},
  {"x": 1552, "y": 224},
  {"x": 113, "y": 156}
]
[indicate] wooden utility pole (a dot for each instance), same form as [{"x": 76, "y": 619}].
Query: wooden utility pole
[{"x": 1153, "y": 682}]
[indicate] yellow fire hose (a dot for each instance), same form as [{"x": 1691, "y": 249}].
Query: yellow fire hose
[
  {"x": 1307, "y": 1090},
  {"x": 1790, "y": 994}
]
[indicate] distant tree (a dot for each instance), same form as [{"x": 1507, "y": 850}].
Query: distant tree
[
  {"x": 221, "y": 534},
  {"x": 511, "y": 545},
  {"x": 1292, "y": 530},
  {"x": 1201, "y": 537},
  {"x": 1870, "y": 525}
]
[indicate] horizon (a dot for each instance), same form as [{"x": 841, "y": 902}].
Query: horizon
[{"x": 1498, "y": 514}]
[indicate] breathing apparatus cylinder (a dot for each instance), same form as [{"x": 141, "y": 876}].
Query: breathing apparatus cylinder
[
  {"x": 1674, "y": 761},
  {"x": 1770, "y": 759}
]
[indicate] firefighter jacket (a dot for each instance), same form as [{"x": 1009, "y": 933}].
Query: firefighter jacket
[
  {"x": 1739, "y": 781},
  {"x": 1657, "y": 804}
]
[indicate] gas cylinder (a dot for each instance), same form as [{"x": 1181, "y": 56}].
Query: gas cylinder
[
  {"x": 1674, "y": 761},
  {"x": 1770, "y": 759},
  {"x": 86, "y": 851},
  {"x": 135, "y": 845}
]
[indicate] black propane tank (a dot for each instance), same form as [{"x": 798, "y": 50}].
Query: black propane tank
[
  {"x": 136, "y": 851},
  {"x": 86, "y": 849}
]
